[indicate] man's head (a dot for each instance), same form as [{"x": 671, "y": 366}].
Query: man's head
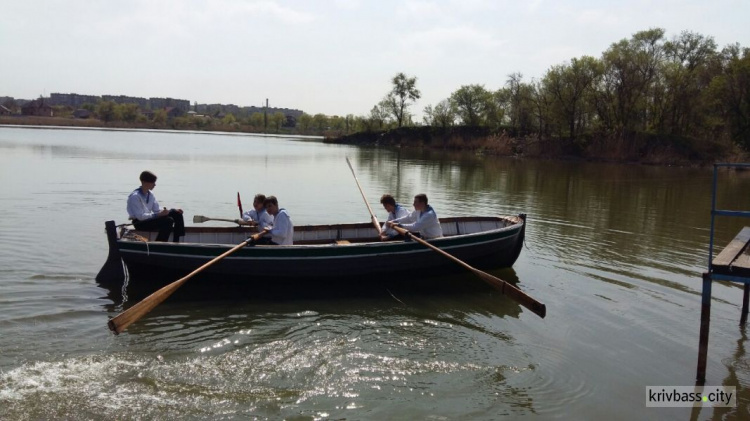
[
  {"x": 148, "y": 179},
  {"x": 259, "y": 201},
  {"x": 272, "y": 205},
  {"x": 388, "y": 202},
  {"x": 420, "y": 202}
]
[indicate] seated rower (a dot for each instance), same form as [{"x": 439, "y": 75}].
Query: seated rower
[
  {"x": 395, "y": 211},
  {"x": 258, "y": 217},
  {"x": 423, "y": 220},
  {"x": 282, "y": 230},
  {"x": 144, "y": 210}
]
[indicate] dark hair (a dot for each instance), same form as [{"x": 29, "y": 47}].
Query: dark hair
[
  {"x": 259, "y": 198},
  {"x": 387, "y": 199},
  {"x": 271, "y": 199},
  {"x": 421, "y": 197},
  {"x": 148, "y": 177}
]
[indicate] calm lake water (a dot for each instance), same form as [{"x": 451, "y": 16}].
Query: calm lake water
[{"x": 614, "y": 251}]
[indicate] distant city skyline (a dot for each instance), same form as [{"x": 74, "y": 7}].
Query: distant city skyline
[
  {"x": 77, "y": 100},
  {"x": 333, "y": 57}
]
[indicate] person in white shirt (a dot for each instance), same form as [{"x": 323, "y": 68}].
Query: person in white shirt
[
  {"x": 282, "y": 231},
  {"x": 144, "y": 210},
  {"x": 423, "y": 220},
  {"x": 395, "y": 211},
  {"x": 258, "y": 216}
]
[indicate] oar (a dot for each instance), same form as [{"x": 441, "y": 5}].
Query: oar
[
  {"x": 239, "y": 204},
  {"x": 372, "y": 215},
  {"x": 200, "y": 218},
  {"x": 504, "y": 287},
  {"x": 120, "y": 322}
]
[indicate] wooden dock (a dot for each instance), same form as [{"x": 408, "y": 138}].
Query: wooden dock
[{"x": 732, "y": 264}]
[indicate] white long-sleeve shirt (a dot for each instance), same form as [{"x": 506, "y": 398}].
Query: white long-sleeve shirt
[
  {"x": 265, "y": 219},
  {"x": 426, "y": 223},
  {"x": 142, "y": 207},
  {"x": 282, "y": 232},
  {"x": 398, "y": 212}
]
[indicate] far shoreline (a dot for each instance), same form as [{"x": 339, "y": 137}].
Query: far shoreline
[
  {"x": 156, "y": 130},
  {"x": 637, "y": 148}
]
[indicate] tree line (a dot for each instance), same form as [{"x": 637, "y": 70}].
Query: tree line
[{"x": 681, "y": 87}]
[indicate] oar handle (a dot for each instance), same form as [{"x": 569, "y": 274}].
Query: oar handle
[{"x": 504, "y": 287}]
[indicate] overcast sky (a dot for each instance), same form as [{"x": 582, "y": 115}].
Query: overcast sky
[{"x": 334, "y": 57}]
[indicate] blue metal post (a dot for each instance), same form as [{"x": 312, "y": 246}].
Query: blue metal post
[{"x": 705, "y": 323}]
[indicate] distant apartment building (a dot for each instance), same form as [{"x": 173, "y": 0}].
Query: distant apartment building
[
  {"x": 142, "y": 103},
  {"x": 72, "y": 100},
  {"x": 77, "y": 101}
]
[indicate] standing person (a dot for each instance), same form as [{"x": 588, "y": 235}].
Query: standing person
[
  {"x": 144, "y": 210},
  {"x": 282, "y": 231},
  {"x": 395, "y": 211},
  {"x": 423, "y": 220}
]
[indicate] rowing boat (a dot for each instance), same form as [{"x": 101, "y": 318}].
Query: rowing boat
[{"x": 321, "y": 253}]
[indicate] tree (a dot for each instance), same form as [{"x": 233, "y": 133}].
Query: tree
[
  {"x": 541, "y": 103},
  {"x": 304, "y": 122},
  {"x": 107, "y": 111},
  {"x": 568, "y": 85},
  {"x": 470, "y": 103},
  {"x": 630, "y": 68},
  {"x": 256, "y": 120},
  {"x": 378, "y": 116},
  {"x": 129, "y": 112},
  {"x": 160, "y": 116},
  {"x": 442, "y": 115},
  {"x": 730, "y": 92},
  {"x": 277, "y": 120},
  {"x": 404, "y": 93},
  {"x": 320, "y": 121},
  {"x": 679, "y": 103},
  {"x": 229, "y": 119}
]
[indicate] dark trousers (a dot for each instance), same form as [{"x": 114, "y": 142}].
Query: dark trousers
[{"x": 172, "y": 223}]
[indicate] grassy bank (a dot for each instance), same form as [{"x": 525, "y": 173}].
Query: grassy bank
[{"x": 636, "y": 147}]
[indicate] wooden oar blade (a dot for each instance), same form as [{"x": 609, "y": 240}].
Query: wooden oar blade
[
  {"x": 504, "y": 287},
  {"x": 514, "y": 293},
  {"x": 120, "y": 322},
  {"x": 197, "y": 219}
]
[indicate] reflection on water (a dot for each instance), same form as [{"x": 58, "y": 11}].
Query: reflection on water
[{"x": 614, "y": 251}]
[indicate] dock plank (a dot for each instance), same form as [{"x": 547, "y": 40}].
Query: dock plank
[
  {"x": 733, "y": 250},
  {"x": 741, "y": 262}
]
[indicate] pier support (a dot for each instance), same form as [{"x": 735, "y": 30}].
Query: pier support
[
  {"x": 705, "y": 323},
  {"x": 743, "y": 318}
]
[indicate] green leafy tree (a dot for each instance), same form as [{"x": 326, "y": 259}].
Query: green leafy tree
[
  {"x": 630, "y": 69},
  {"x": 470, "y": 102},
  {"x": 568, "y": 86},
  {"x": 304, "y": 123},
  {"x": 320, "y": 121},
  {"x": 107, "y": 111},
  {"x": 160, "y": 117},
  {"x": 442, "y": 115},
  {"x": 730, "y": 92},
  {"x": 378, "y": 116},
  {"x": 277, "y": 120},
  {"x": 129, "y": 112},
  {"x": 229, "y": 119},
  {"x": 337, "y": 123},
  {"x": 256, "y": 120},
  {"x": 402, "y": 95},
  {"x": 679, "y": 104}
]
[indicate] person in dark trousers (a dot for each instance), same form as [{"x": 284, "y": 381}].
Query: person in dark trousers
[{"x": 144, "y": 210}]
